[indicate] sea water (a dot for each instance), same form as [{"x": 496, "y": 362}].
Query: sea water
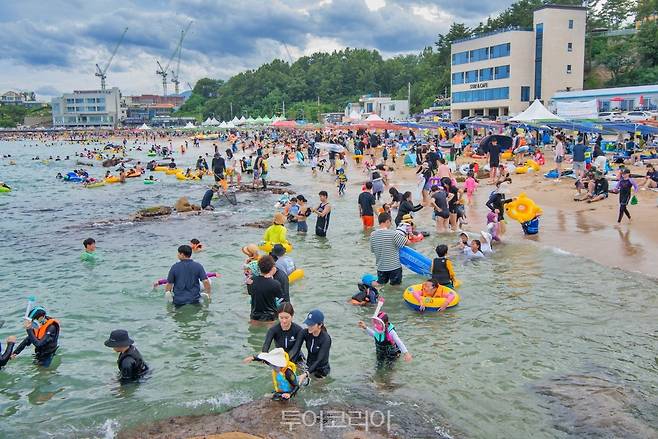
[{"x": 534, "y": 327}]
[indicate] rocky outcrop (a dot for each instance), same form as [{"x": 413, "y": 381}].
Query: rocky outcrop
[
  {"x": 153, "y": 212},
  {"x": 266, "y": 419}
]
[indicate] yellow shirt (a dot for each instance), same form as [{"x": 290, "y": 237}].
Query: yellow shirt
[{"x": 276, "y": 234}]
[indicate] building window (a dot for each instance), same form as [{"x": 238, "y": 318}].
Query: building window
[
  {"x": 539, "y": 50},
  {"x": 479, "y": 54},
  {"x": 391, "y": 108},
  {"x": 570, "y": 24},
  {"x": 525, "y": 94},
  {"x": 458, "y": 78},
  {"x": 460, "y": 58},
  {"x": 568, "y": 68},
  {"x": 500, "y": 50},
  {"x": 471, "y": 76},
  {"x": 486, "y": 74},
  {"x": 569, "y": 47},
  {"x": 486, "y": 94},
  {"x": 501, "y": 72}
]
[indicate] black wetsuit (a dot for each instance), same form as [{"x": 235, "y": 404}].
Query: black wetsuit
[
  {"x": 318, "y": 352},
  {"x": 264, "y": 292},
  {"x": 406, "y": 207},
  {"x": 131, "y": 365},
  {"x": 322, "y": 223},
  {"x": 44, "y": 348},
  {"x": 498, "y": 201},
  {"x": 284, "y": 339},
  {"x": 281, "y": 277},
  {"x": 6, "y": 355}
]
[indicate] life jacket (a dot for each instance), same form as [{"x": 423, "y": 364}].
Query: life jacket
[
  {"x": 40, "y": 332},
  {"x": 279, "y": 381},
  {"x": 385, "y": 346},
  {"x": 440, "y": 271}
]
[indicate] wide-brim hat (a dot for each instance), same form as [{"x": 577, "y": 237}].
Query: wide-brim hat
[
  {"x": 250, "y": 250},
  {"x": 276, "y": 357},
  {"x": 279, "y": 219},
  {"x": 119, "y": 339},
  {"x": 408, "y": 219}
]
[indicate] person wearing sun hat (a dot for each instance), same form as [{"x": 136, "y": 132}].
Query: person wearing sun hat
[
  {"x": 130, "y": 362},
  {"x": 251, "y": 252},
  {"x": 276, "y": 233},
  {"x": 284, "y": 373}
]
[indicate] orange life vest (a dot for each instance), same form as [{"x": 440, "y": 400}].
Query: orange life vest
[{"x": 41, "y": 332}]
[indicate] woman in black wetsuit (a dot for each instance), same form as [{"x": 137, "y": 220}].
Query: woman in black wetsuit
[
  {"x": 406, "y": 207},
  {"x": 498, "y": 201},
  {"x": 318, "y": 344},
  {"x": 6, "y": 355},
  {"x": 284, "y": 334}
]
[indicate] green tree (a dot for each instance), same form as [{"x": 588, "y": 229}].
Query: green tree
[
  {"x": 647, "y": 43},
  {"x": 618, "y": 58}
]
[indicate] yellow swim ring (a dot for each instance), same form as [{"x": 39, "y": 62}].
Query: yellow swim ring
[
  {"x": 532, "y": 164},
  {"x": 296, "y": 275},
  {"x": 521, "y": 169},
  {"x": 507, "y": 155},
  {"x": 161, "y": 168},
  {"x": 432, "y": 304},
  {"x": 112, "y": 179},
  {"x": 522, "y": 209},
  {"x": 173, "y": 171},
  {"x": 266, "y": 246}
]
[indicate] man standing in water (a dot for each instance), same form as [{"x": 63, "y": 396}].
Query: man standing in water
[
  {"x": 366, "y": 210},
  {"x": 386, "y": 244},
  {"x": 184, "y": 277},
  {"x": 323, "y": 212}
]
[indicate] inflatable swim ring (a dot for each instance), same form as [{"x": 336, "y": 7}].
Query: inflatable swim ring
[
  {"x": 147, "y": 181},
  {"x": 95, "y": 184},
  {"x": 150, "y": 154},
  {"x": 431, "y": 304},
  {"x": 172, "y": 171},
  {"x": 296, "y": 275},
  {"x": 521, "y": 169},
  {"x": 181, "y": 176},
  {"x": 133, "y": 174},
  {"x": 357, "y": 156},
  {"x": 507, "y": 155},
  {"x": 112, "y": 179},
  {"x": 532, "y": 164},
  {"x": 463, "y": 169},
  {"x": 161, "y": 168},
  {"x": 416, "y": 238},
  {"x": 522, "y": 209},
  {"x": 4, "y": 189},
  {"x": 267, "y": 247}
]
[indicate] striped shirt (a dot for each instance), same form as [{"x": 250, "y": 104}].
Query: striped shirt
[{"x": 386, "y": 245}]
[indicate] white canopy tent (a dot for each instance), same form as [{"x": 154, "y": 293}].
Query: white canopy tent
[
  {"x": 222, "y": 125},
  {"x": 374, "y": 118},
  {"x": 206, "y": 122},
  {"x": 189, "y": 125},
  {"x": 354, "y": 116},
  {"x": 536, "y": 113},
  {"x": 214, "y": 122},
  {"x": 144, "y": 127},
  {"x": 235, "y": 121},
  {"x": 230, "y": 124}
]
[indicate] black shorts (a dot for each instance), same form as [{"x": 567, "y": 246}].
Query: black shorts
[{"x": 394, "y": 276}]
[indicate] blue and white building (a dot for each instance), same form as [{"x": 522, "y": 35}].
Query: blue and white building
[
  {"x": 501, "y": 73},
  {"x": 641, "y": 97},
  {"x": 89, "y": 109}
]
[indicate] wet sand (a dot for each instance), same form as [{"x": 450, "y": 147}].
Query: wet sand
[{"x": 584, "y": 229}]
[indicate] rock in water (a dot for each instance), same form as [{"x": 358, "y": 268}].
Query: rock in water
[
  {"x": 151, "y": 212},
  {"x": 184, "y": 205}
]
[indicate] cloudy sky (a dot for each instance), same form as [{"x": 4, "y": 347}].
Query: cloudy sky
[{"x": 52, "y": 46}]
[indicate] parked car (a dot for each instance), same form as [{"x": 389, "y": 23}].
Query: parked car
[
  {"x": 612, "y": 116},
  {"x": 638, "y": 115}
]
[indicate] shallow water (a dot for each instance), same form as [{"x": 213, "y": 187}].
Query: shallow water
[{"x": 530, "y": 319}]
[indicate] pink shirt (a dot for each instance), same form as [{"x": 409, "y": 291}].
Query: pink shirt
[{"x": 470, "y": 184}]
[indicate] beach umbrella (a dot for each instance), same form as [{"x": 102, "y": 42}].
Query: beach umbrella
[{"x": 284, "y": 124}]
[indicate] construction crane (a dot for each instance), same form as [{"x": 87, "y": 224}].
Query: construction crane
[
  {"x": 177, "y": 53},
  {"x": 164, "y": 71},
  {"x": 102, "y": 73}
]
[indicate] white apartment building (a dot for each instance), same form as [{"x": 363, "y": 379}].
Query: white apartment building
[
  {"x": 382, "y": 106},
  {"x": 88, "y": 109},
  {"x": 502, "y": 72}
]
